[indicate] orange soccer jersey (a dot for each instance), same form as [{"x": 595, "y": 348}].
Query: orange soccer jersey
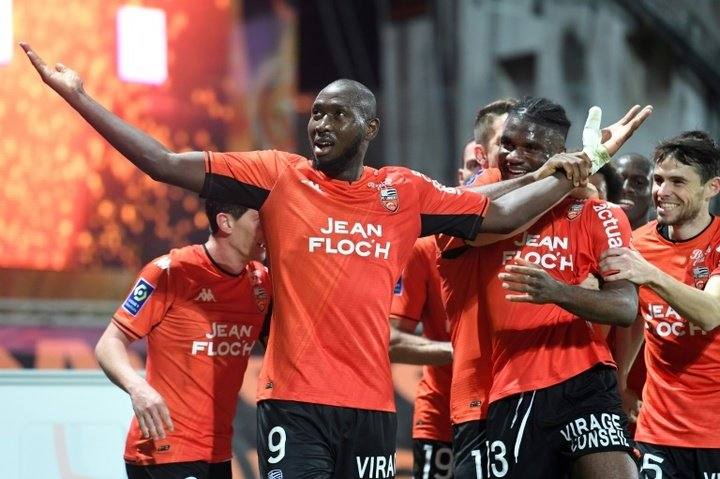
[
  {"x": 336, "y": 249},
  {"x": 471, "y": 373},
  {"x": 201, "y": 324},
  {"x": 681, "y": 399},
  {"x": 417, "y": 298},
  {"x": 540, "y": 345}
]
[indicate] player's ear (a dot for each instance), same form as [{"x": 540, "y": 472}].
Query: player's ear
[
  {"x": 712, "y": 187},
  {"x": 481, "y": 156},
  {"x": 372, "y": 128},
  {"x": 225, "y": 223}
]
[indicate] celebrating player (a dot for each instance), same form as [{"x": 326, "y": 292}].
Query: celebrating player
[
  {"x": 676, "y": 263},
  {"x": 202, "y": 308},
  {"x": 338, "y": 235}
]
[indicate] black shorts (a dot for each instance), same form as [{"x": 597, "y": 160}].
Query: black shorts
[
  {"x": 470, "y": 450},
  {"x": 667, "y": 462},
  {"x": 539, "y": 434},
  {"x": 181, "y": 470},
  {"x": 302, "y": 441},
  {"x": 432, "y": 459}
]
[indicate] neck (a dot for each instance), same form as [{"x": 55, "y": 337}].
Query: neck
[
  {"x": 640, "y": 221},
  {"x": 228, "y": 258},
  {"x": 691, "y": 228}
]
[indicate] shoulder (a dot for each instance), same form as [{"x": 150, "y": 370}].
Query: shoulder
[{"x": 645, "y": 233}]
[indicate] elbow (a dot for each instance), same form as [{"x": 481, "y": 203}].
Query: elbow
[{"x": 627, "y": 312}]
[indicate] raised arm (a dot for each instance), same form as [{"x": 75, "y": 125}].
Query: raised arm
[
  {"x": 517, "y": 208},
  {"x": 186, "y": 170}
]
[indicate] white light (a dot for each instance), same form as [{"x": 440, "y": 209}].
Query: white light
[
  {"x": 6, "y": 31},
  {"x": 142, "y": 45}
]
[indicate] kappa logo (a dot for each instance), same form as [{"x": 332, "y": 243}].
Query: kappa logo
[
  {"x": 575, "y": 210},
  {"x": 389, "y": 198},
  {"x": 206, "y": 296},
  {"x": 162, "y": 263},
  {"x": 312, "y": 185}
]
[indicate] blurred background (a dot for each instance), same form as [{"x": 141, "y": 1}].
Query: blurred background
[{"x": 77, "y": 221}]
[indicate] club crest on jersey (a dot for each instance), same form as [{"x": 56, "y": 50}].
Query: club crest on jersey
[
  {"x": 389, "y": 198},
  {"x": 137, "y": 297},
  {"x": 261, "y": 297},
  {"x": 575, "y": 210}
]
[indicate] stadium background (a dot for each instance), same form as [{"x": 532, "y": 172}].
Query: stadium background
[{"x": 77, "y": 221}]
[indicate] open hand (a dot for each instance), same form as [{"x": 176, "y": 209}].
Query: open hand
[
  {"x": 151, "y": 411},
  {"x": 65, "y": 81},
  {"x": 529, "y": 283}
]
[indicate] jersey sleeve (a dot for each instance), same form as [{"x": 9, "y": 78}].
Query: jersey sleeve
[
  {"x": 244, "y": 178},
  {"x": 449, "y": 210},
  {"x": 411, "y": 289},
  {"x": 609, "y": 228},
  {"x": 486, "y": 177},
  {"x": 148, "y": 301}
]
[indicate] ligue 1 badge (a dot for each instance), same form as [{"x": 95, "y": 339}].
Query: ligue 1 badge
[
  {"x": 261, "y": 298},
  {"x": 389, "y": 198},
  {"x": 575, "y": 210}
]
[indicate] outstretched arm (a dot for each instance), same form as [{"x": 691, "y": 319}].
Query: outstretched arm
[
  {"x": 186, "y": 170},
  {"x": 517, "y": 208}
]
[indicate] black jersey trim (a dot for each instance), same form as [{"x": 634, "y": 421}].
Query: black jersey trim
[
  {"x": 229, "y": 190},
  {"x": 465, "y": 226}
]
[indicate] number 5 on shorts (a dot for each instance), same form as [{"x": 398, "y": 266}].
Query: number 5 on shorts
[
  {"x": 648, "y": 465},
  {"x": 276, "y": 446}
]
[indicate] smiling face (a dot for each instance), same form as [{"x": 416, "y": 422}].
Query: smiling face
[
  {"x": 339, "y": 128},
  {"x": 525, "y": 146},
  {"x": 678, "y": 192},
  {"x": 635, "y": 172}
]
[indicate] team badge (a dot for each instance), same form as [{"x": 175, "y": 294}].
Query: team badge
[
  {"x": 575, "y": 210},
  {"x": 261, "y": 298},
  {"x": 700, "y": 275},
  {"x": 137, "y": 297},
  {"x": 389, "y": 198},
  {"x": 256, "y": 277}
]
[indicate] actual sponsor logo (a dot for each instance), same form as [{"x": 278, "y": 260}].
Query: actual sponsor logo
[
  {"x": 225, "y": 340},
  {"x": 389, "y": 199},
  {"x": 575, "y": 210},
  {"x": 667, "y": 322},
  {"x": 138, "y": 296},
  {"x": 375, "y": 466},
  {"x": 595, "y": 431},
  {"x": 610, "y": 223},
  {"x": 364, "y": 240},
  {"x": 697, "y": 256}
]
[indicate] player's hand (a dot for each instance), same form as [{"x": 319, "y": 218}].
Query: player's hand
[
  {"x": 151, "y": 411},
  {"x": 63, "y": 80},
  {"x": 529, "y": 283},
  {"x": 576, "y": 167},
  {"x": 626, "y": 263},
  {"x": 615, "y": 135},
  {"x": 631, "y": 404}
]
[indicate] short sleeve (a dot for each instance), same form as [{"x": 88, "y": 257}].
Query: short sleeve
[
  {"x": 608, "y": 226},
  {"x": 449, "y": 210},
  {"x": 486, "y": 177},
  {"x": 148, "y": 301},
  {"x": 244, "y": 178},
  {"x": 411, "y": 290}
]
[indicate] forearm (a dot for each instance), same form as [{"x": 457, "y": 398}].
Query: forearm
[
  {"x": 149, "y": 155},
  {"x": 614, "y": 307},
  {"x": 496, "y": 190},
  {"x": 513, "y": 210},
  {"x": 411, "y": 349},
  {"x": 111, "y": 354},
  {"x": 628, "y": 342},
  {"x": 696, "y": 306}
]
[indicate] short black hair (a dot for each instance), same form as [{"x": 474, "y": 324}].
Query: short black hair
[
  {"x": 212, "y": 208},
  {"x": 363, "y": 98},
  {"x": 613, "y": 182},
  {"x": 693, "y": 148},
  {"x": 544, "y": 112},
  {"x": 486, "y": 116}
]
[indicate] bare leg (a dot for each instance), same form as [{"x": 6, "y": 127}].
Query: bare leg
[{"x": 605, "y": 465}]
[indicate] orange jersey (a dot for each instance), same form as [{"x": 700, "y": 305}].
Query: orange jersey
[
  {"x": 201, "y": 324},
  {"x": 417, "y": 298},
  {"x": 681, "y": 399},
  {"x": 458, "y": 270},
  {"x": 540, "y": 345},
  {"x": 337, "y": 248}
]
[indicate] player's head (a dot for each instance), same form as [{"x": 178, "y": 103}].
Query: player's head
[
  {"x": 489, "y": 123},
  {"x": 685, "y": 177},
  {"x": 468, "y": 163},
  {"x": 342, "y": 123},
  {"x": 535, "y": 129},
  {"x": 236, "y": 227},
  {"x": 608, "y": 183},
  {"x": 635, "y": 172}
]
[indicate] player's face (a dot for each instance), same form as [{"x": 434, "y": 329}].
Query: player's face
[
  {"x": 247, "y": 236},
  {"x": 678, "y": 192},
  {"x": 525, "y": 147},
  {"x": 636, "y": 194},
  {"x": 493, "y": 146},
  {"x": 336, "y": 127}
]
